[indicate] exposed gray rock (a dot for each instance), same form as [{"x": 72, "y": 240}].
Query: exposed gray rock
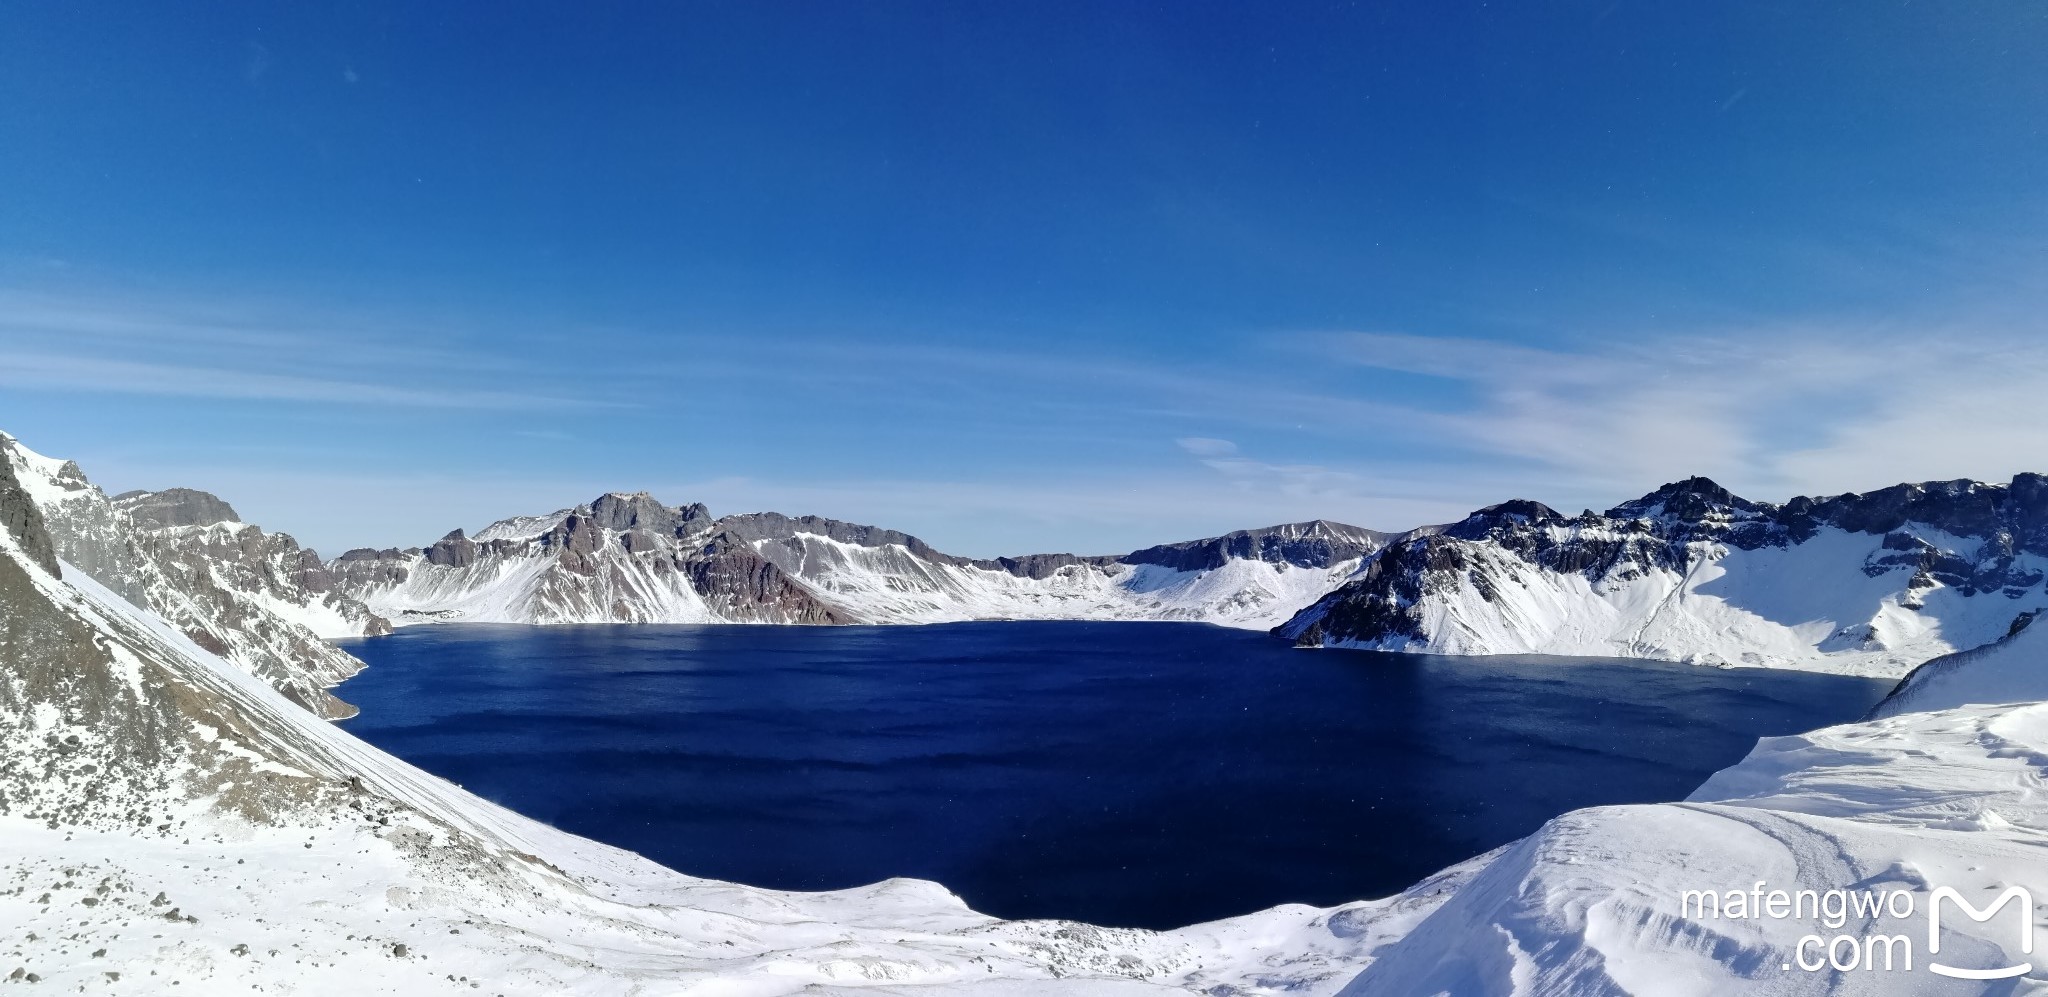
[
  {"x": 748, "y": 588},
  {"x": 23, "y": 520},
  {"x": 175, "y": 507},
  {"x": 452, "y": 551},
  {"x": 83, "y": 527}
]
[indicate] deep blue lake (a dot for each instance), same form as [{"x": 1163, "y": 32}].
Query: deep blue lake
[{"x": 1136, "y": 774}]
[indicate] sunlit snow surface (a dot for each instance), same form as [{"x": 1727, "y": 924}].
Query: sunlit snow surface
[{"x": 1590, "y": 904}]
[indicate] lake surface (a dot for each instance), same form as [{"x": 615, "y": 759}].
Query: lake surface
[{"x": 1134, "y": 774}]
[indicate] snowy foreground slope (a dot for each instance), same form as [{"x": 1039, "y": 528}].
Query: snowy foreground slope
[
  {"x": 630, "y": 559},
  {"x": 169, "y": 823},
  {"x": 1596, "y": 902},
  {"x": 1869, "y": 584},
  {"x": 257, "y": 599},
  {"x": 2012, "y": 669}
]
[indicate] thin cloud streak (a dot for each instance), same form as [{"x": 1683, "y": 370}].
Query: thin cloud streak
[
  {"x": 51, "y": 343},
  {"x": 33, "y": 371},
  {"x": 1780, "y": 411}
]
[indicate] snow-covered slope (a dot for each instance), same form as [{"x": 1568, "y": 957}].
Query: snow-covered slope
[
  {"x": 1596, "y": 902},
  {"x": 628, "y": 558},
  {"x": 1868, "y": 584},
  {"x": 2012, "y": 669},
  {"x": 171, "y": 824},
  {"x": 1827, "y": 854},
  {"x": 257, "y": 599}
]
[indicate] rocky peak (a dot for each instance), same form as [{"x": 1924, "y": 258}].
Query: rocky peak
[
  {"x": 1692, "y": 500},
  {"x": 1509, "y": 514},
  {"x": 454, "y": 550},
  {"x": 175, "y": 507},
  {"x": 636, "y": 510}
]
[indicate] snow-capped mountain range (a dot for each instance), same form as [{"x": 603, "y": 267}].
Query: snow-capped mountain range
[
  {"x": 627, "y": 558},
  {"x": 1871, "y": 583}
]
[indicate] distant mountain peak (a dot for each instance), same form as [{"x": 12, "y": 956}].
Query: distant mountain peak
[
  {"x": 1524, "y": 509},
  {"x": 1693, "y": 498}
]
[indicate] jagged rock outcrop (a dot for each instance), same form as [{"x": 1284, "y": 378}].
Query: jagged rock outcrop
[
  {"x": 742, "y": 586},
  {"x": 628, "y": 558},
  {"x": 23, "y": 520},
  {"x": 1873, "y": 583},
  {"x": 83, "y": 528},
  {"x": 257, "y": 599}
]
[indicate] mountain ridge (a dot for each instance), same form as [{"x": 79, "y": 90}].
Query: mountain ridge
[
  {"x": 626, "y": 557},
  {"x": 1692, "y": 571}
]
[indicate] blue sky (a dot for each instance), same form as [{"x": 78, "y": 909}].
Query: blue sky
[{"x": 1020, "y": 277}]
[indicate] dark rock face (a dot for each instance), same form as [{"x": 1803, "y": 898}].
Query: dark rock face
[
  {"x": 1656, "y": 531},
  {"x": 23, "y": 520},
  {"x": 1695, "y": 498},
  {"x": 1316, "y": 544},
  {"x": 573, "y": 541},
  {"x": 639, "y": 510},
  {"x": 364, "y": 568},
  {"x": 744, "y": 586},
  {"x": 84, "y": 529},
  {"x": 451, "y": 551},
  {"x": 1041, "y": 566},
  {"x": 756, "y": 526},
  {"x": 175, "y": 507}
]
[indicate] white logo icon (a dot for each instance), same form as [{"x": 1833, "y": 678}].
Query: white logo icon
[{"x": 2026, "y": 913}]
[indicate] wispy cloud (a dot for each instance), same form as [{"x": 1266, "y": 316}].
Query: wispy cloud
[
  {"x": 47, "y": 372},
  {"x": 1203, "y": 446},
  {"x": 1812, "y": 409},
  {"x": 180, "y": 349},
  {"x": 990, "y": 449}
]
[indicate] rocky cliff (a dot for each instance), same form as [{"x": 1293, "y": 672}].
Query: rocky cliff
[{"x": 1872, "y": 583}]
